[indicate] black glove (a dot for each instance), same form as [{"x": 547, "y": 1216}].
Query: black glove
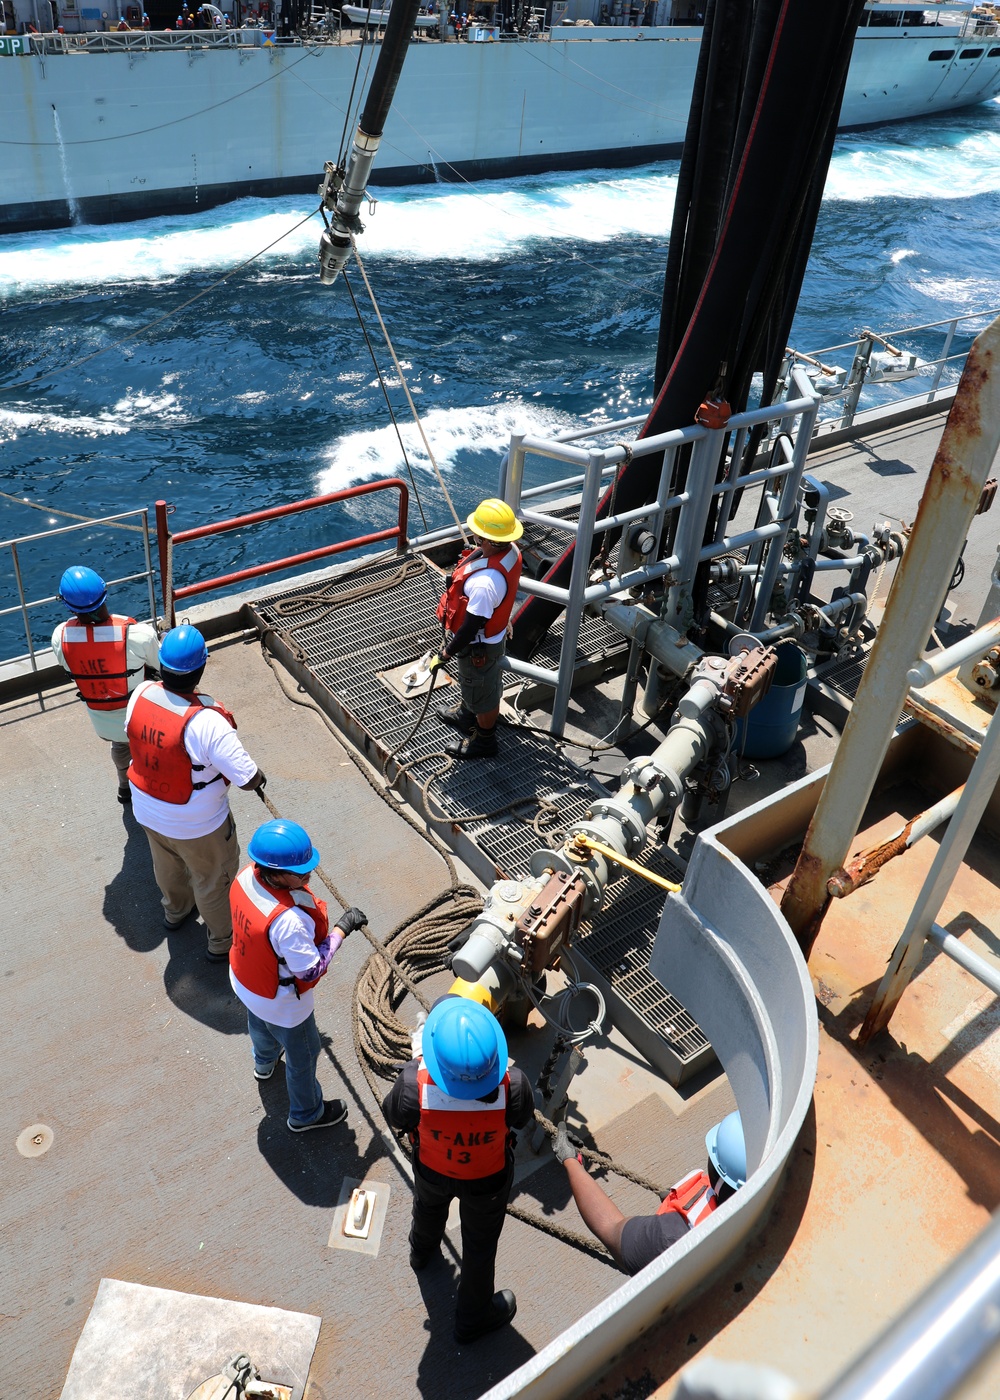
[
  {"x": 350, "y": 920},
  {"x": 564, "y": 1146}
]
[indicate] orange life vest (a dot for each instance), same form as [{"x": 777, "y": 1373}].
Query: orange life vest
[
  {"x": 462, "y": 1138},
  {"x": 454, "y": 604},
  {"x": 691, "y": 1197},
  {"x": 96, "y": 655},
  {"x": 161, "y": 766},
  {"x": 253, "y": 956}
]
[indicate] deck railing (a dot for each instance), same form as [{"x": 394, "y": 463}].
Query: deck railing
[
  {"x": 25, "y": 604},
  {"x": 166, "y": 541},
  {"x": 881, "y": 359},
  {"x": 791, "y": 421}
]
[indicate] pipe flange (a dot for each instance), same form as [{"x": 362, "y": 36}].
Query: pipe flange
[
  {"x": 632, "y": 826},
  {"x": 545, "y": 860}
]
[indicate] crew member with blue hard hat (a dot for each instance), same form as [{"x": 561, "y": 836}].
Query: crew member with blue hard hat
[
  {"x": 108, "y": 655},
  {"x": 185, "y": 753},
  {"x": 460, "y": 1105},
  {"x": 282, "y": 946},
  {"x": 634, "y": 1241}
]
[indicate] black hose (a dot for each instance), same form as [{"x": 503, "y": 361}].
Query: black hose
[{"x": 402, "y": 18}]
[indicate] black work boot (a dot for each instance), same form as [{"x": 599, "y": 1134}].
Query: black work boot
[
  {"x": 501, "y": 1310},
  {"x": 481, "y": 743},
  {"x": 457, "y": 717}
]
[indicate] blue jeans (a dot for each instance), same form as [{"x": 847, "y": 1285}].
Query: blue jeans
[{"x": 301, "y": 1045}]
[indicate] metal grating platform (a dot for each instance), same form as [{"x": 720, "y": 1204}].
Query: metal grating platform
[
  {"x": 618, "y": 945},
  {"x": 338, "y": 652},
  {"x": 843, "y": 678}
]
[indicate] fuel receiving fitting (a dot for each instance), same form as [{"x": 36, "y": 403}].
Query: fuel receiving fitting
[{"x": 527, "y": 926}]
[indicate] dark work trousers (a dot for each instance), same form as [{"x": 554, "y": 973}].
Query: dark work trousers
[{"x": 482, "y": 1214}]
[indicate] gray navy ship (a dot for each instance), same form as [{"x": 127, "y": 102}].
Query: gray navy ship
[{"x": 100, "y": 126}]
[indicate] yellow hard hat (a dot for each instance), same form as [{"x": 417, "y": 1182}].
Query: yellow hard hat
[
  {"x": 472, "y": 991},
  {"x": 494, "y": 520}
]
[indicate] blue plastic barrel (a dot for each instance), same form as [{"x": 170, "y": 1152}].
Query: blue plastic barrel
[{"x": 771, "y": 726}]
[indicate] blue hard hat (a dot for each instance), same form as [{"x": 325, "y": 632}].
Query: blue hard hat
[
  {"x": 727, "y": 1150},
  {"x": 183, "y": 649},
  {"x": 82, "y": 589},
  {"x": 464, "y": 1048},
  {"x": 283, "y": 845}
]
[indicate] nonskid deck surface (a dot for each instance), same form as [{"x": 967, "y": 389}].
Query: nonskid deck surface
[
  {"x": 531, "y": 770},
  {"x": 170, "y": 1165}
]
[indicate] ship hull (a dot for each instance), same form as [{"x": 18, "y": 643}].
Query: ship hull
[{"x": 104, "y": 137}]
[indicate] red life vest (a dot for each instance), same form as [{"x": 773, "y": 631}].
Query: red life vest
[
  {"x": 454, "y": 604},
  {"x": 691, "y": 1197},
  {"x": 96, "y": 656},
  {"x": 462, "y": 1138},
  {"x": 161, "y": 766},
  {"x": 255, "y": 907}
]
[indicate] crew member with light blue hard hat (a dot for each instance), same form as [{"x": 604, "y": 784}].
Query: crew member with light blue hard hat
[
  {"x": 727, "y": 1150},
  {"x": 282, "y": 945},
  {"x": 108, "y": 655},
  {"x": 460, "y": 1105},
  {"x": 185, "y": 753},
  {"x": 634, "y": 1241}
]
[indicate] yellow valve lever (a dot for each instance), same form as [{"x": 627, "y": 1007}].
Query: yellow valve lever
[{"x": 583, "y": 842}]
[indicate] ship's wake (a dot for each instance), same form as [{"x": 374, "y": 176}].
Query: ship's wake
[{"x": 954, "y": 158}]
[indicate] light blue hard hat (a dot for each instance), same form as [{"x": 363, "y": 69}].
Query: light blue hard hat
[
  {"x": 464, "y": 1048},
  {"x": 727, "y": 1150},
  {"x": 283, "y": 845},
  {"x": 183, "y": 649},
  {"x": 82, "y": 589}
]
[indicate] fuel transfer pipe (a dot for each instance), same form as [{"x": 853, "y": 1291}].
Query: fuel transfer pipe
[
  {"x": 651, "y": 785},
  {"x": 335, "y": 243}
]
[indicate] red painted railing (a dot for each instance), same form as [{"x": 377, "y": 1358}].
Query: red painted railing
[{"x": 165, "y": 541}]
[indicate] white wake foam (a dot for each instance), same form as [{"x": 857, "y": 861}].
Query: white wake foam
[
  {"x": 422, "y": 223},
  {"x": 482, "y": 221},
  {"x": 368, "y": 453},
  {"x": 948, "y": 165},
  {"x": 14, "y": 422},
  {"x": 153, "y": 250}
]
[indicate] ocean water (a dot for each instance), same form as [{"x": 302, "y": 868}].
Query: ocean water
[{"x": 528, "y": 303}]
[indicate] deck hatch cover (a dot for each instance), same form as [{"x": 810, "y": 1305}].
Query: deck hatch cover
[{"x": 400, "y": 623}]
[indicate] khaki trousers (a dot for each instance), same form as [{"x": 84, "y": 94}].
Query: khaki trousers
[
  {"x": 121, "y": 757},
  {"x": 198, "y": 872}
]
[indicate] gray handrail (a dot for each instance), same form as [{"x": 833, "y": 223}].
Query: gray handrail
[{"x": 930, "y": 1349}]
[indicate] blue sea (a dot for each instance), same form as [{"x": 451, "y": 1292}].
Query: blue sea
[{"x": 529, "y": 303}]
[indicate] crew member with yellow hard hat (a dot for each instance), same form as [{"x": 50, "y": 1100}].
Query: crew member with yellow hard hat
[{"x": 475, "y": 611}]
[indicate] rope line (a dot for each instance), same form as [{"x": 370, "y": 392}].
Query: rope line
[
  {"x": 174, "y": 121},
  {"x": 409, "y": 397},
  {"x": 70, "y": 514},
  {"x": 167, "y": 315},
  {"x": 385, "y": 395}
]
